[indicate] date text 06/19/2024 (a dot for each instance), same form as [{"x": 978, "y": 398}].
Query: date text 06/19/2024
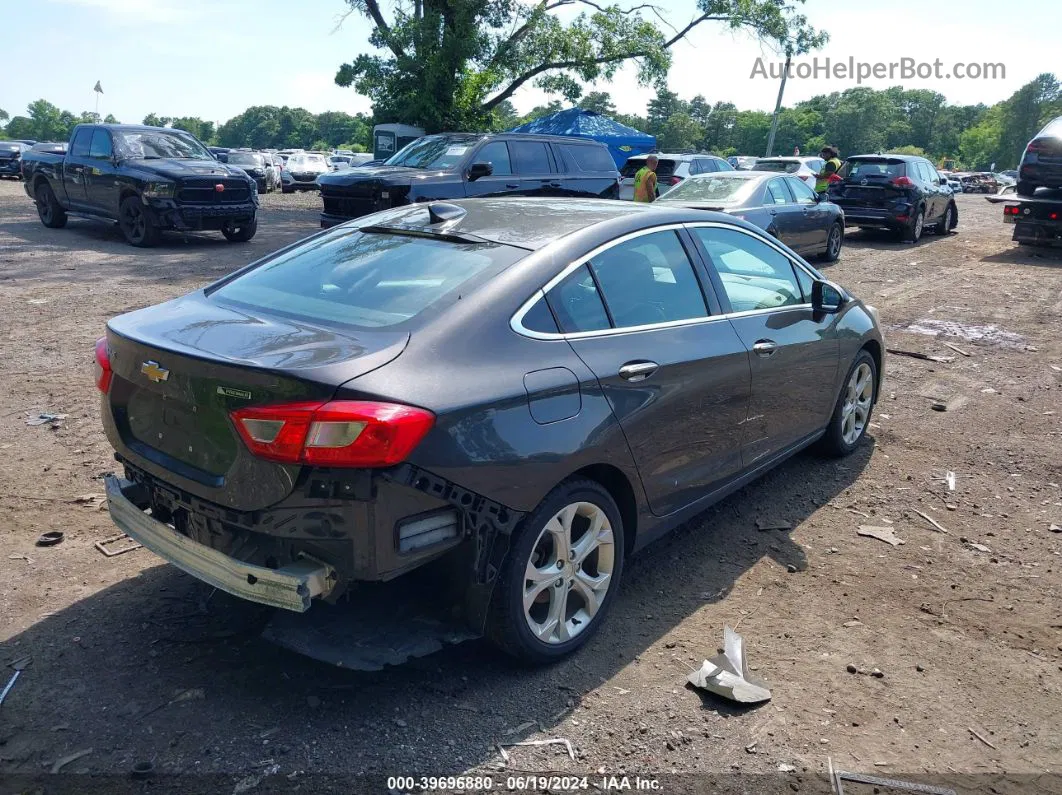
[{"x": 522, "y": 783}]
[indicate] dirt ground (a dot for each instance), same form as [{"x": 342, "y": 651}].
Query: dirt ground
[{"x": 131, "y": 661}]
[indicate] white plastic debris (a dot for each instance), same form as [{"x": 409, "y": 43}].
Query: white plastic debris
[{"x": 727, "y": 674}]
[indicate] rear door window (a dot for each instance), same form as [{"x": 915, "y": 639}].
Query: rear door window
[
  {"x": 530, "y": 157},
  {"x": 497, "y": 154},
  {"x": 649, "y": 279},
  {"x": 577, "y": 157},
  {"x": 367, "y": 280},
  {"x": 576, "y": 303},
  {"x": 776, "y": 192},
  {"x": 82, "y": 141}
]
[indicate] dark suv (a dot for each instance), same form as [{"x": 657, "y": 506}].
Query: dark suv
[
  {"x": 464, "y": 165},
  {"x": 903, "y": 193},
  {"x": 1041, "y": 165}
]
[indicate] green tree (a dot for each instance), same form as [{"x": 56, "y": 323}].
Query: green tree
[
  {"x": 541, "y": 111},
  {"x": 152, "y": 120},
  {"x": 203, "y": 130},
  {"x": 446, "y": 64},
  {"x": 679, "y": 133},
  {"x": 599, "y": 102},
  {"x": 109, "y": 119},
  {"x": 907, "y": 150}
]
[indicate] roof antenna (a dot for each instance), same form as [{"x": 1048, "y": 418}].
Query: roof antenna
[{"x": 442, "y": 212}]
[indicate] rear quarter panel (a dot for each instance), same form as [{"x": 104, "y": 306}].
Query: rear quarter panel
[{"x": 44, "y": 166}]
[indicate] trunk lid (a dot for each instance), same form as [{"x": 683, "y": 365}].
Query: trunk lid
[{"x": 180, "y": 369}]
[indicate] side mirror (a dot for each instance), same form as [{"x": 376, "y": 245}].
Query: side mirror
[
  {"x": 827, "y": 298},
  {"x": 480, "y": 170}
]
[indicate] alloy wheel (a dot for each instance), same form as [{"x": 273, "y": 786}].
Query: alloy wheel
[
  {"x": 834, "y": 244},
  {"x": 569, "y": 573},
  {"x": 133, "y": 221},
  {"x": 44, "y": 207},
  {"x": 920, "y": 221},
  {"x": 858, "y": 400}
]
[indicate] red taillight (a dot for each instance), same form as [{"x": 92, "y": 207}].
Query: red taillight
[
  {"x": 1052, "y": 216},
  {"x": 1010, "y": 210},
  {"x": 1034, "y": 146},
  {"x": 103, "y": 366},
  {"x": 903, "y": 182},
  {"x": 340, "y": 433}
]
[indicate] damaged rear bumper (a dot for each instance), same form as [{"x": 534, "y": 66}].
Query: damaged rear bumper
[{"x": 290, "y": 587}]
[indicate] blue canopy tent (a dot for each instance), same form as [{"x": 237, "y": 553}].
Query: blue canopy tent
[{"x": 622, "y": 141}]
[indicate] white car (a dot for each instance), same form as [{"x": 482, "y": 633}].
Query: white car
[
  {"x": 670, "y": 170},
  {"x": 806, "y": 168}
]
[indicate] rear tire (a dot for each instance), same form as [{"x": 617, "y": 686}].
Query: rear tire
[
  {"x": 51, "y": 213},
  {"x": 855, "y": 404},
  {"x": 137, "y": 223},
  {"x": 834, "y": 242},
  {"x": 240, "y": 234},
  {"x": 912, "y": 232},
  {"x": 560, "y": 576},
  {"x": 1025, "y": 188}
]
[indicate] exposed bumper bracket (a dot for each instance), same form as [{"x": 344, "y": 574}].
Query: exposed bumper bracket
[{"x": 291, "y": 587}]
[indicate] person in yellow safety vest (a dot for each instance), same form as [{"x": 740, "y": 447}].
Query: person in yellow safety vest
[
  {"x": 833, "y": 165},
  {"x": 645, "y": 181}
]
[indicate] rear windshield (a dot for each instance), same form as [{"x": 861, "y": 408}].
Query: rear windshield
[
  {"x": 877, "y": 168},
  {"x": 726, "y": 188},
  {"x": 1052, "y": 130},
  {"x": 367, "y": 280},
  {"x": 781, "y": 166},
  {"x": 664, "y": 168}
]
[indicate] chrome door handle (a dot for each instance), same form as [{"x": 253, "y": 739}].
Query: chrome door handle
[
  {"x": 765, "y": 348},
  {"x": 637, "y": 371}
]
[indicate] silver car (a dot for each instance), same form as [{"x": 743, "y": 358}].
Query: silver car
[
  {"x": 670, "y": 170},
  {"x": 302, "y": 170}
]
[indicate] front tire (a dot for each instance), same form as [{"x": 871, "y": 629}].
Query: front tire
[
  {"x": 851, "y": 415},
  {"x": 242, "y": 233},
  {"x": 561, "y": 574},
  {"x": 51, "y": 213},
  {"x": 137, "y": 223}
]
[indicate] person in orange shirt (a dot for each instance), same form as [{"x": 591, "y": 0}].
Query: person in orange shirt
[{"x": 645, "y": 181}]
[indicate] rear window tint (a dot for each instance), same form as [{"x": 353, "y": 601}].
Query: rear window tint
[
  {"x": 368, "y": 280},
  {"x": 780, "y": 166},
  {"x": 871, "y": 169},
  {"x": 586, "y": 158},
  {"x": 577, "y": 304},
  {"x": 664, "y": 168}
]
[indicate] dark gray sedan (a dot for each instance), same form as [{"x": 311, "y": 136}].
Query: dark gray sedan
[
  {"x": 781, "y": 204},
  {"x": 527, "y": 390}
]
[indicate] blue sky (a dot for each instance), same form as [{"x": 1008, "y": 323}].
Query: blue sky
[{"x": 213, "y": 58}]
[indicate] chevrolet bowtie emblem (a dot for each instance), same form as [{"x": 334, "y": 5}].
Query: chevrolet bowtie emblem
[{"x": 154, "y": 372}]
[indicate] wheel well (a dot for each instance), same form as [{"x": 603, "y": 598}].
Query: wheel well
[
  {"x": 622, "y": 492},
  {"x": 125, "y": 194},
  {"x": 873, "y": 347}
]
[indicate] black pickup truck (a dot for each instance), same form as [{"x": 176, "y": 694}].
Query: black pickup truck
[{"x": 146, "y": 178}]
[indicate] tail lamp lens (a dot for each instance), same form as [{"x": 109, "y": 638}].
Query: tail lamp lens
[
  {"x": 103, "y": 366},
  {"x": 340, "y": 433}
]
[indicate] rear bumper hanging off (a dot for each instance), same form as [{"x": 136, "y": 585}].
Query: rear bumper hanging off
[{"x": 291, "y": 587}]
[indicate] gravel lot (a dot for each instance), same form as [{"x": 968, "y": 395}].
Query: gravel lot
[{"x": 130, "y": 660}]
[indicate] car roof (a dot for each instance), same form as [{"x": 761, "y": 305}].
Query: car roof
[
  {"x": 564, "y": 139},
  {"x": 684, "y": 156},
  {"x": 529, "y": 222}
]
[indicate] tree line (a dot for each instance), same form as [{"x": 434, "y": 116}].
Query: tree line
[
  {"x": 858, "y": 120},
  {"x": 260, "y": 127}
]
